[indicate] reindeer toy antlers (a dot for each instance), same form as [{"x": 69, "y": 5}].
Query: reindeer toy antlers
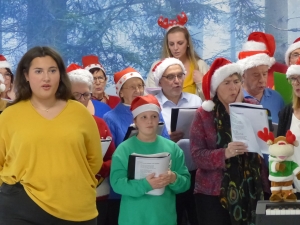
[
  {"x": 166, "y": 24},
  {"x": 268, "y": 137}
]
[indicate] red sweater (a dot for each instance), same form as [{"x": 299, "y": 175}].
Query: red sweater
[
  {"x": 105, "y": 132},
  {"x": 112, "y": 101}
]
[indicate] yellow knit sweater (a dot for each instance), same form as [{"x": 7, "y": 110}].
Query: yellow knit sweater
[{"x": 55, "y": 160}]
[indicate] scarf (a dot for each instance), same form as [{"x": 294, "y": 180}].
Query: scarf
[{"x": 241, "y": 186}]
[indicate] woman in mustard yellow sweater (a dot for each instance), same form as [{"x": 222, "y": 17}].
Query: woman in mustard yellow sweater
[{"x": 49, "y": 151}]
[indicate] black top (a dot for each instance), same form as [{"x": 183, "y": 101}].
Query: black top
[{"x": 285, "y": 119}]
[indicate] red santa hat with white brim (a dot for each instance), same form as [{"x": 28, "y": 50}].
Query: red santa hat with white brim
[
  {"x": 220, "y": 69},
  {"x": 143, "y": 104},
  {"x": 90, "y": 62},
  {"x": 294, "y": 69},
  {"x": 292, "y": 48},
  {"x": 4, "y": 63},
  {"x": 159, "y": 69},
  {"x": 2, "y": 85},
  {"x": 122, "y": 76},
  {"x": 258, "y": 50},
  {"x": 77, "y": 74}
]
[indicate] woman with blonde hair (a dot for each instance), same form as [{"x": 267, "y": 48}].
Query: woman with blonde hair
[{"x": 178, "y": 43}]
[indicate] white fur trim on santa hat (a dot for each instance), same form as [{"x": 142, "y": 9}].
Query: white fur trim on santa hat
[
  {"x": 92, "y": 66},
  {"x": 126, "y": 77},
  {"x": 254, "y": 46},
  {"x": 292, "y": 48},
  {"x": 5, "y": 64},
  {"x": 81, "y": 76},
  {"x": 208, "y": 105},
  {"x": 221, "y": 74},
  {"x": 145, "y": 108},
  {"x": 293, "y": 70},
  {"x": 256, "y": 60},
  {"x": 160, "y": 69}
]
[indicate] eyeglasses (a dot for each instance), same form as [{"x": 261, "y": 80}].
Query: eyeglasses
[
  {"x": 171, "y": 77},
  {"x": 295, "y": 55},
  {"x": 100, "y": 79},
  {"x": 294, "y": 80},
  {"x": 86, "y": 95},
  {"x": 6, "y": 75},
  {"x": 133, "y": 88}
]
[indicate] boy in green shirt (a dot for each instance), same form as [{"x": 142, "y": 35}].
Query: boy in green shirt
[{"x": 138, "y": 207}]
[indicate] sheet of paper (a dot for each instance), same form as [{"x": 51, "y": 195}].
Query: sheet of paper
[
  {"x": 241, "y": 130},
  {"x": 184, "y": 121},
  {"x": 153, "y": 90},
  {"x": 256, "y": 119},
  {"x": 145, "y": 166},
  {"x": 104, "y": 145}
]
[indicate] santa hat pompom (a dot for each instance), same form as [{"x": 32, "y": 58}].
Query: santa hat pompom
[
  {"x": 2, "y": 85},
  {"x": 208, "y": 105}
]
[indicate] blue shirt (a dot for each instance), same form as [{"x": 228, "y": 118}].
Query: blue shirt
[
  {"x": 270, "y": 100},
  {"x": 100, "y": 108}
]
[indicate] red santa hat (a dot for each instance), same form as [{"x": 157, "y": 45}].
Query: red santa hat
[
  {"x": 122, "y": 76},
  {"x": 77, "y": 74},
  {"x": 294, "y": 69},
  {"x": 292, "y": 48},
  {"x": 4, "y": 63},
  {"x": 143, "y": 104},
  {"x": 2, "y": 85},
  {"x": 159, "y": 69},
  {"x": 220, "y": 69},
  {"x": 257, "y": 51},
  {"x": 90, "y": 62},
  {"x": 179, "y": 22}
]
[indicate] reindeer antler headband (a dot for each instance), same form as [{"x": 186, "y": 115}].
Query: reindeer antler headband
[{"x": 166, "y": 24}]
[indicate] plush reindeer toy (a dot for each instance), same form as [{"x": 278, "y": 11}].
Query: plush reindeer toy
[{"x": 281, "y": 167}]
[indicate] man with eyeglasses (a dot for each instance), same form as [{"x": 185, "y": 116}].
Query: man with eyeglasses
[
  {"x": 169, "y": 74},
  {"x": 293, "y": 53}
]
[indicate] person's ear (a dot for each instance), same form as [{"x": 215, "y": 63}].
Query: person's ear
[
  {"x": 26, "y": 75},
  {"x": 121, "y": 95}
]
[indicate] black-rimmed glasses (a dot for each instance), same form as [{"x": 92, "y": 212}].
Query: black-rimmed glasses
[{"x": 85, "y": 95}]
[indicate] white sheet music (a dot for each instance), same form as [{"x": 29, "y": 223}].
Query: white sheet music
[
  {"x": 156, "y": 164},
  {"x": 184, "y": 121},
  {"x": 104, "y": 145},
  {"x": 245, "y": 123}
]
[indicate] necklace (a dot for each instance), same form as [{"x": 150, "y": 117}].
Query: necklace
[{"x": 46, "y": 110}]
